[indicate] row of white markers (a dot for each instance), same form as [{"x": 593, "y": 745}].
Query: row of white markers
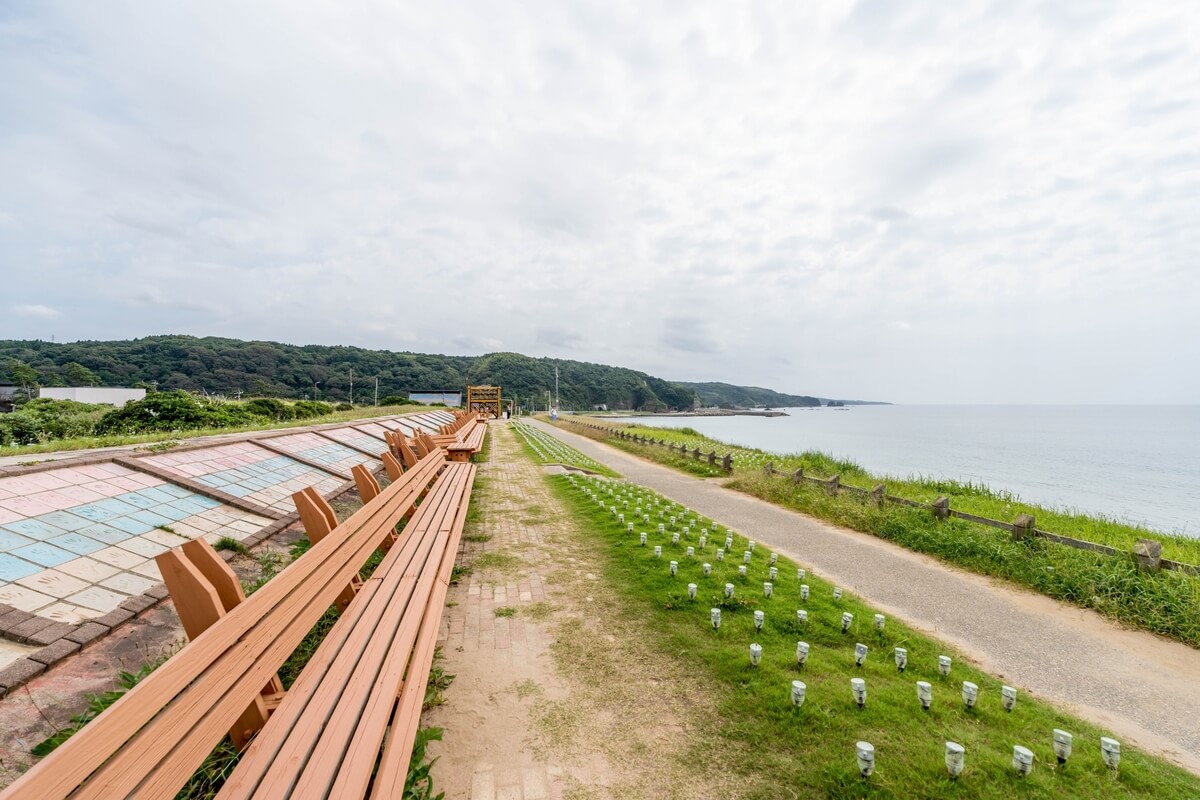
[
  {"x": 1022, "y": 760},
  {"x": 1110, "y": 749}
]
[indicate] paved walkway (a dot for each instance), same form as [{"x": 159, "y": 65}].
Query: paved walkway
[{"x": 1145, "y": 689}]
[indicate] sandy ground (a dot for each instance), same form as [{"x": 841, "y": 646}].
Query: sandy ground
[
  {"x": 557, "y": 696},
  {"x": 1143, "y": 688}
]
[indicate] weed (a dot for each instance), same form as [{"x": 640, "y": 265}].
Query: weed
[
  {"x": 166, "y": 529},
  {"x": 498, "y": 562},
  {"x": 506, "y": 611},
  {"x": 232, "y": 545},
  {"x": 477, "y": 538}
]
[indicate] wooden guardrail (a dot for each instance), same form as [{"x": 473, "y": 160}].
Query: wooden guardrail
[
  {"x": 1147, "y": 552},
  {"x": 725, "y": 462}
]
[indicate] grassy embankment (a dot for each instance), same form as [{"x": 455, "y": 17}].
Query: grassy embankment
[
  {"x": 1167, "y": 603},
  {"x": 810, "y": 751},
  {"x": 164, "y": 437}
]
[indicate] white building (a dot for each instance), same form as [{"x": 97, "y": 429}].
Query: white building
[{"x": 110, "y": 395}]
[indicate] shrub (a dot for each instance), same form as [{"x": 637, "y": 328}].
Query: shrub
[
  {"x": 344, "y": 407},
  {"x": 269, "y": 407},
  {"x": 172, "y": 411},
  {"x": 393, "y": 400},
  {"x": 307, "y": 409}
]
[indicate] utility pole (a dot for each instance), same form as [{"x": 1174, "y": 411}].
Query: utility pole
[
  {"x": 556, "y": 386},
  {"x": 352, "y": 386},
  {"x": 376, "y": 390}
]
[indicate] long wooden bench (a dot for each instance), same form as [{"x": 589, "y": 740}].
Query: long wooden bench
[{"x": 354, "y": 705}]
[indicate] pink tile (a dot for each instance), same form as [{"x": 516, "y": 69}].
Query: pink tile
[
  {"x": 57, "y": 500},
  {"x": 5, "y": 493},
  {"x": 128, "y": 483},
  {"x": 26, "y": 506},
  {"x": 92, "y": 471},
  {"x": 147, "y": 481},
  {"x": 7, "y": 515},
  {"x": 47, "y": 480},
  {"x": 71, "y": 475},
  {"x": 79, "y": 494},
  {"x": 21, "y": 486},
  {"x": 103, "y": 488}
]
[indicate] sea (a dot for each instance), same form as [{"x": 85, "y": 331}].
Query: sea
[{"x": 1135, "y": 464}]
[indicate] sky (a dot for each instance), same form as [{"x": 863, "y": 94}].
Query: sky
[{"x": 919, "y": 202}]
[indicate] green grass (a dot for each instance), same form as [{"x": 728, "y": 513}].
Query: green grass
[
  {"x": 166, "y": 440},
  {"x": 1167, "y": 603},
  {"x": 545, "y": 449},
  {"x": 810, "y": 751}
]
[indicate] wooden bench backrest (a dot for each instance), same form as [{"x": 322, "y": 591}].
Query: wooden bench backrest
[{"x": 151, "y": 741}]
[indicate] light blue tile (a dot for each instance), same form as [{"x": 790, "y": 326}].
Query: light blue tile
[
  {"x": 215, "y": 481},
  {"x": 11, "y": 540},
  {"x": 184, "y": 507},
  {"x": 116, "y": 506},
  {"x": 94, "y": 512},
  {"x": 130, "y": 525},
  {"x": 157, "y": 494},
  {"x": 238, "y": 491},
  {"x": 138, "y": 499},
  {"x": 151, "y": 518},
  {"x": 65, "y": 520},
  {"x": 105, "y": 533},
  {"x": 77, "y": 543},
  {"x": 13, "y": 568},
  {"x": 44, "y": 555},
  {"x": 171, "y": 512},
  {"x": 173, "y": 490},
  {"x": 35, "y": 529}
]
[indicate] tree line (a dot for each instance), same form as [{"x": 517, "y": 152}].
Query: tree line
[{"x": 236, "y": 368}]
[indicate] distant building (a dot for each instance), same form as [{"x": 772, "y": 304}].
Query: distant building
[
  {"x": 109, "y": 395},
  {"x": 8, "y": 396},
  {"x": 452, "y": 399}
]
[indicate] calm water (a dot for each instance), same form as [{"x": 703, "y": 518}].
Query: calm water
[{"x": 1139, "y": 464}]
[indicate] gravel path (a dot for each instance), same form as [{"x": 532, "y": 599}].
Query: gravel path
[{"x": 1143, "y": 688}]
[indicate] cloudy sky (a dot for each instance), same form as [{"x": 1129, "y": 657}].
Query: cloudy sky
[{"x": 917, "y": 202}]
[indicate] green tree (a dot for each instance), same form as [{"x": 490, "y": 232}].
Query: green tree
[
  {"x": 79, "y": 375},
  {"x": 24, "y": 375}
]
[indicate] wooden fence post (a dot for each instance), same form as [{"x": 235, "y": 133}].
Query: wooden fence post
[
  {"x": 879, "y": 494},
  {"x": 712, "y": 458},
  {"x": 1148, "y": 553},
  {"x": 941, "y": 508},
  {"x": 769, "y": 469},
  {"x": 835, "y": 483},
  {"x": 797, "y": 476},
  {"x": 1022, "y": 527},
  {"x": 727, "y": 463}
]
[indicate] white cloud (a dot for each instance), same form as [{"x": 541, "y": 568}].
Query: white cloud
[
  {"x": 759, "y": 194},
  {"x": 35, "y": 311}
]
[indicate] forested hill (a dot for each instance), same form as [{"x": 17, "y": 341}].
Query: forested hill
[
  {"x": 229, "y": 366},
  {"x": 724, "y": 394}
]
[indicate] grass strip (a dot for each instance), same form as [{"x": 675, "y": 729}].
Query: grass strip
[
  {"x": 1166, "y": 603},
  {"x": 810, "y": 751}
]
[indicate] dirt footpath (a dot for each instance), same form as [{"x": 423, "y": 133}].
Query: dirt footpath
[
  {"x": 1144, "y": 688},
  {"x": 555, "y": 695}
]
